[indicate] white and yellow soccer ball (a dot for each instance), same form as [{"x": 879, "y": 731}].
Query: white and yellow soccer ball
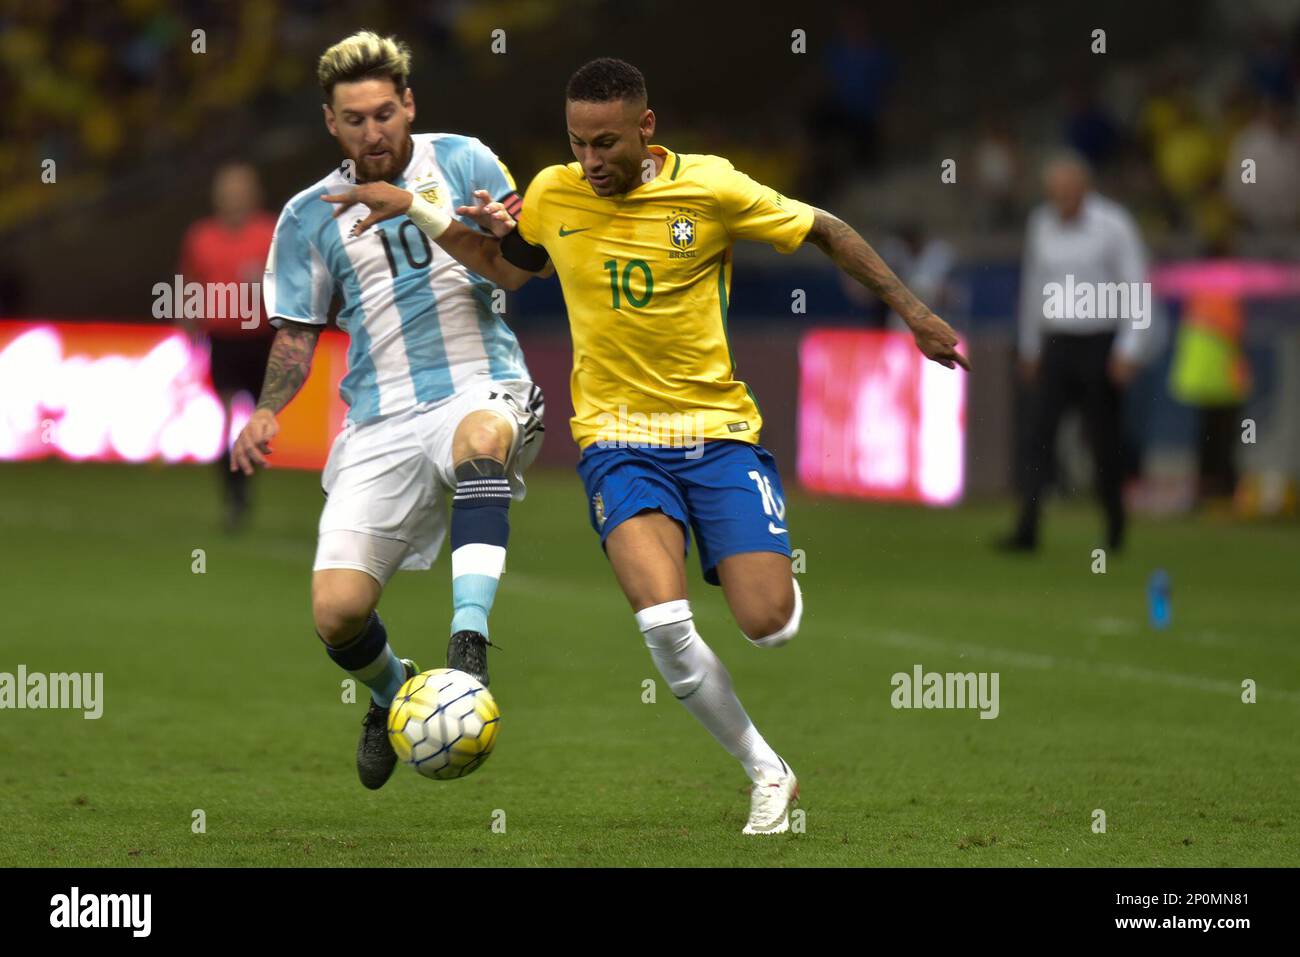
[{"x": 443, "y": 723}]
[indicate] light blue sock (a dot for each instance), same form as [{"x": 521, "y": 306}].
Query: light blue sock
[
  {"x": 370, "y": 660},
  {"x": 384, "y": 687},
  {"x": 472, "y": 596}
]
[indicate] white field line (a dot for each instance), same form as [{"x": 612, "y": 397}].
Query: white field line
[
  {"x": 549, "y": 588},
  {"x": 1117, "y": 671}
]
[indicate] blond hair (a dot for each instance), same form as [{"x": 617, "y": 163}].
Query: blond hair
[{"x": 364, "y": 56}]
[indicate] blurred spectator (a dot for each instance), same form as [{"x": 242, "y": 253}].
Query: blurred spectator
[
  {"x": 1210, "y": 374},
  {"x": 231, "y": 246},
  {"x": 1271, "y": 65},
  {"x": 1089, "y": 129},
  {"x": 1187, "y": 152},
  {"x": 998, "y": 168},
  {"x": 924, "y": 264},
  {"x": 1077, "y": 239},
  {"x": 1272, "y": 202},
  {"x": 845, "y": 121},
  {"x": 1183, "y": 146}
]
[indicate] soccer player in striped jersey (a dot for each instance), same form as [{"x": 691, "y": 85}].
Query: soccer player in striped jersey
[
  {"x": 439, "y": 398},
  {"x": 641, "y": 239}
]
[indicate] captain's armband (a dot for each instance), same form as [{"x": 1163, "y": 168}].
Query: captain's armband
[{"x": 522, "y": 254}]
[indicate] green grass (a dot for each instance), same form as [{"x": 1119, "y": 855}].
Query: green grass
[{"x": 218, "y": 696}]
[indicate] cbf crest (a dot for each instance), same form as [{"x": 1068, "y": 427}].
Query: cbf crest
[{"x": 683, "y": 230}]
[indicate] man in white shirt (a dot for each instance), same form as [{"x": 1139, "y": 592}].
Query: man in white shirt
[{"x": 1085, "y": 308}]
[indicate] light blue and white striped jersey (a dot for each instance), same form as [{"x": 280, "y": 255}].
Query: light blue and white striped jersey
[{"x": 421, "y": 324}]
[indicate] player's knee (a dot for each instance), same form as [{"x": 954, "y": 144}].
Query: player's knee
[
  {"x": 485, "y": 441},
  {"x": 775, "y": 623},
  {"x": 339, "y": 611},
  {"x": 765, "y": 621},
  {"x": 669, "y": 631},
  {"x": 483, "y": 436}
]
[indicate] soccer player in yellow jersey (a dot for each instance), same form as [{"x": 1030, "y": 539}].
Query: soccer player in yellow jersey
[{"x": 641, "y": 238}]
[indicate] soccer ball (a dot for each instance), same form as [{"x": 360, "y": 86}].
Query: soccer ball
[{"x": 443, "y": 723}]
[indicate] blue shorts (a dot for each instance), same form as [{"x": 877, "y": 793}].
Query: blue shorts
[{"x": 730, "y": 495}]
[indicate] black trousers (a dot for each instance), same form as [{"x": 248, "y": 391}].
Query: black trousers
[
  {"x": 1220, "y": 434},
  {"x": 1072, "y": 370},
  {"x": 237, "y": 364}
]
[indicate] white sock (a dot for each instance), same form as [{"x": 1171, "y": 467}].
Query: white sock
[{"x": 698, "y": 679}]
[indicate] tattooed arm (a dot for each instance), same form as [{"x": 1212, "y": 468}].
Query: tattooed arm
[
  {"x": 850, "y": 252},
  {"x": 289, "y": 364},
  {"x": 286, "y": 371}
]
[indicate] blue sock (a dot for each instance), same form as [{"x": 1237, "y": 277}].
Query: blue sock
[
  {"x": 370, "y": 660},
  {"x": 480, "y": 528}
]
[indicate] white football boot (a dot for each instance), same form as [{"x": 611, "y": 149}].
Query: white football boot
[{"x": 770, "y": 801}]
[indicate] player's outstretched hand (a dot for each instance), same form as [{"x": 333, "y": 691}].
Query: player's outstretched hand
[
  {"x": 488, "y": 214},
  {"x": 937, "y": 340},
  {"x": 254, "y": 442},
  {"x": 384, "y": 200}
]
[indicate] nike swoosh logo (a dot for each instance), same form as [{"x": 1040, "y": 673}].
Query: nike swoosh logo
[
  {"x": 771, "y": 527},
  {"x": 569, "y": 232}
]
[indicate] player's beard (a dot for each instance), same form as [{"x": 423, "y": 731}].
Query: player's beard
[
  {"x": 621, "y": 180},
  {"x": 389, "y": 167}
]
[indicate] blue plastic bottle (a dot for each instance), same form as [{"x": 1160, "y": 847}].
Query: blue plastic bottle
[{"x": 1158, "y": 599}]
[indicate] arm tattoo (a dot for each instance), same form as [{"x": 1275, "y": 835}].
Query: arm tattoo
[
  {"x": 288, "y": 365},
  {"x": 850, "y": 252}
]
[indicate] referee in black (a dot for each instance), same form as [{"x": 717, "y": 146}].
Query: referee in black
[{"x": 1076, "y": 351}]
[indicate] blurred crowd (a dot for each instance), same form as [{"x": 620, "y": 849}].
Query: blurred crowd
[
  {"x": 1206, "y": 153},
  {"x": 93, "y": 86},
  {"x": 101, "y": 88},
  {"x": 98, "y": 87}
]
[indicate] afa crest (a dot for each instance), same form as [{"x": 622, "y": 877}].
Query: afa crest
[
  {"x": 683, "y": 229},
  {"x": 427, "y": 187}
]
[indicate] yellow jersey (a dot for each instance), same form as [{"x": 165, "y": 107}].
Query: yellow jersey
[{"x": 645, "y": 277}]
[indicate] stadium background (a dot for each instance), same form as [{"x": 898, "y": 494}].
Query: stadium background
[{"x": 860, "y": 124}]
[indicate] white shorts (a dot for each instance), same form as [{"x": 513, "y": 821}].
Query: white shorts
[{"x": 386, "y": 482}]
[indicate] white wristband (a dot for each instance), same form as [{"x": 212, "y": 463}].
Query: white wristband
[{"x": 431, "y": 219}]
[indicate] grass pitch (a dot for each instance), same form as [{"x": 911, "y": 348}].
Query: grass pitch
[{"x": 218, "y": 697}]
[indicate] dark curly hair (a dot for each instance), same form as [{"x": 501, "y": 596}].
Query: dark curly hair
[{"x": 606, "y": 79}]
